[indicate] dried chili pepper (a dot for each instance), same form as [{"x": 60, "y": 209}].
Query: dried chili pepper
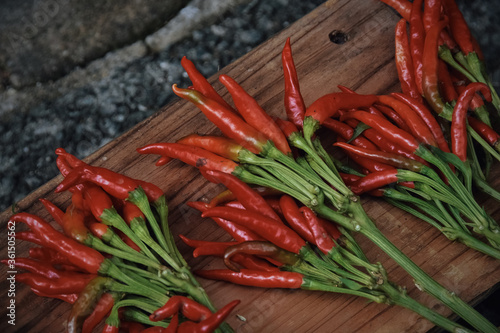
[
  {"x": 295, "y": 107},
  {"x": 404, "y": 64},
  {"x": 246, "y": 277}
]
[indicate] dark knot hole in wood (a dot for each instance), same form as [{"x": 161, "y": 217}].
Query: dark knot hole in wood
[{"x": 338, "y": 37}]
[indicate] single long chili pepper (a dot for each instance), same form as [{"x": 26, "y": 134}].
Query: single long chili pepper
[
  {"x": 485, "y": 131},
  {"x": 259, "y": 248},
  {"x": 101, "y": 310},
  {"x": 394, "y": 160},
  {"x": 250, "y": 199},
  {"x": 211, "y": 323},
  {"x": 430, "y": 67},
  {"x": 287, "y": 127},
  {"x": 426, "y": 115},
  {"x": 403, "y": 7},
  {"x": 458, "y": 26},
  {"x": 270, "y": 229},
  {"x": 216, "y": 144},
  {"x": 68, "y": 298},
  {"x": 295, "y": 107},
  {"x": 231, "y": 125},
  {"x": 41, "y": 268},
  {"x": 49, "y": 256},
  {"x": 254, "y": 115},
  {"x": 385, "y": 128},
  {"x": 194, "y": 156},
  {"x": 191, "y": 309},
  {"x": 295, "y": 219},
  {"x": 446, "y": 85},
  {"x": 64, "y": 285},
  {"x": 212, "y": 247},
  {"x": 321, "y": 238},
  {"x": 417, "y": 125},
  {"x": 432, "y": 13},
  {"x": 201, "y": 84},
  {"x": 459, "y": 117},
  {"x": 366, "y": 163},
  {"x": 54, "y": 211},
  {"x": 238, "y": 232},
  {"x": 328, "y": 105},
  {"x": 246, "y": 277},
  {"x": 417, "y": 38},
  {"x": 383, "y": 144},
  {"x": 374, "y": 181},
  {"x": 346, "y": 132},
  {"x": 78, "y": 254},
  {"x": 404, "y": 64}
]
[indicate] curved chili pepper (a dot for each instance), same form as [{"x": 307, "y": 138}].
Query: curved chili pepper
[
  {"x": 254, "y": 115},
  {"x": 191, "y": 309},
  {"x": 68, "y": 284},
  {"x": 201, "y": 84},
  {"x": 385, "y": 128},
  {"x": 426, "y": 115},
  {"x": 459, "y": 120},
  {"x": 321, "y": 238},
  {"x": 403, "y": 7},
  {"x": 417, "y": 38},
  {"x": 430, "y": 67},
  {"x": 374, "y": 181},
  {"x": 250, "y": 199},
  {"x": 41, "y": 268},
  {"x": 418, "y": 127},
  {"x": 485, "y": 131},
  {"x": 101, "y": 309},
  {"x": 209, "y": 324},
  {"x": 216, "y": 144},
  {"x": 78, "y": 254},
  {"x": 329, "y": 104},
  {"x": 54, "y": 211},
  {"x": 194, "y": 156},
  {"x": 476, "y": 101},
  {"x": 346, "y": 132},
  {"x": 247, "y": 277},
  {"x": 272, "y": 230},
  {"x": 238, "y": 232},
  {"x": 458, "y": 26},
  {"x": 394, "y": 160},
  {"x": 231, "y": 125},
  {"x": 294, "y": 103},
  {"x": 68, "y": 298},
  {"x": 259, "y": 248},
  {"x": 404, "y": 64}
]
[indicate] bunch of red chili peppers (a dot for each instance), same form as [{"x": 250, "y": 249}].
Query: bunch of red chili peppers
[
  {"x": 115, "y": 259},
  {"x": 287, "y": 156}
]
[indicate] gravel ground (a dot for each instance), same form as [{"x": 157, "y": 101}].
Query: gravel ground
[{"x": 87, "y": 117}]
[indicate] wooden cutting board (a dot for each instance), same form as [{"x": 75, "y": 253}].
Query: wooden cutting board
[{"x": 365, "y": 62}]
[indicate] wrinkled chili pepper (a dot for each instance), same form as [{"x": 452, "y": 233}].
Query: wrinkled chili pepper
[
  {"x": 201, "y": 84},
  {"x": 321, "y": 238},
  {"x": 294, "y": 103},
  {"x": 254, "y": 115},
  {"x": 78, "y": 254},
  {"x": 194, "y": 156},
  {"x": 231, "y": 125},
  {"x": 270, "y": 229},
  {"x": 404, "y": 64},
  {"x": 246, "y": 277},
  {"x": 417, "y": 38},
  {"x": 250, "y": 199},
  {"x": 459, "y": 117},
  {"x": 374, "y": 181},
  {"x": 216, "y": 144}
]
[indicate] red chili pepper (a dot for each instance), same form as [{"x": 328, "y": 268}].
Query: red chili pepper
[
  {"x": 133, "y": 326},
  {"x": 346, "y": 132},
  {"x": 418, "y": 127},
  {"x": 272, "y": 230},
  {"x": 426, "y": 115},
  {"x": 366, "y": 163},
  {"x": 432, "y": 13},
  {"x": 78, "y": 254},
  {"x": 246, "y": 277},
  {"x": 287, "y": 127},
  {"x": 191, "y": 309},
  {"x": 98, "y": 201},
  {"x": 294, "y": 103},
  {"x": 403, "y": 7},
  {"x": 218, "y": 145},
  {"x": 476, "y": 102},
  {"x": 385, "y": 128},
  {"x": 417, "y": 38},
  {"x": 37, "y": 267},
  {"x": 101, "y": 310},
  {"x": 404, "y": 64},
  {"x": 231, "y": 125},
  {"x": 254, "y": 115},
  {"x": 430, "y": 67},
  {"x": 211, "y": 323},
  {"x": 391, "y": 159},
  {"x": 68, "y": 298},
  {"x": 459, "y": 28},
  {"x": 459, "y": 120},
  {"x": 74, "y": 224},
  {"x": 207, "y": 247},
  {"x": 110, "y": 329},
  {"x": 238, "y": 232},
  {"x": 321, "y": 238},
  {"x": 73, "y": 284},
  {"x": 194, "y": 156},
  {"x": 485, "y": 131},
  {"x": 328, "y": 105},
  {"x": 383, "y": 144},
  {"x": 446, "y": 85},
  {"x": 250, "y": 199},
  {"x": 201, "y": 84},
  {"x": 374, "y": 181}
]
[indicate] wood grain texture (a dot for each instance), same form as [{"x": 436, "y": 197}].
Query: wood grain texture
[{"x": 365, "y": 63}]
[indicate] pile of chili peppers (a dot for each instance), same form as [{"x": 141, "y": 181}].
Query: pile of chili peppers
[
  {"x": 286, "y": 155},
  {"x": 115, "y": 259}
]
